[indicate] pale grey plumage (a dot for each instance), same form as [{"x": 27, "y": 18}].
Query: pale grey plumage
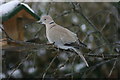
[{"x": 61, "y": 36}]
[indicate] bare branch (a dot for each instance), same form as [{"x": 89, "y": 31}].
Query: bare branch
[
  {"x": 107, "y": 21},
  {"x": 73, "y": 65},
  {"x": 77, "y": 8},
  {"x": 89, "y": 71},
  {"x": 19, "y": 65},
  {"x": 62, "y": 65},
  {"x": 25, "y": 46},
  {"x": 112, "y": 68},
  {"x": 62, "y": 14},
  {"x": 49, "y": 67},
  {"x": 48, "y": 9},
  {"x": 7, "y": 36}
]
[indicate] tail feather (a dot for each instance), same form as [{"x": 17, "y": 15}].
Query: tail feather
[{"x": 80, "y": 54}]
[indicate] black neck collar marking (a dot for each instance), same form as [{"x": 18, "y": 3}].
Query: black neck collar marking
[{"x": 51, "y": 22}]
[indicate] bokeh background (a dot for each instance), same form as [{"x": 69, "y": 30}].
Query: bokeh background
[{"x": 37, "y": 63}]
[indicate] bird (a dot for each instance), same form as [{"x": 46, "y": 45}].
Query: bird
[{"x": 62, "y": 37}]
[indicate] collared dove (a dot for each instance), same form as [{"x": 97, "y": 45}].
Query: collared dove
[{"x": 62, "y": 37}]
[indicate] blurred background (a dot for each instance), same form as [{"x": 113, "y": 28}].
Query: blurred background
[{"x": 43, "y": 62}]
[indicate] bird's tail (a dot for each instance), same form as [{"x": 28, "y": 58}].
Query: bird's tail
[{"x": 80, "y": 54}]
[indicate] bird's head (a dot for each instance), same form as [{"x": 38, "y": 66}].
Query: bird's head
[{"x": 46, "y": 19}]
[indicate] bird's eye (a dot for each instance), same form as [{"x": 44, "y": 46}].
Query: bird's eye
[{"x": 44, "y": 19}]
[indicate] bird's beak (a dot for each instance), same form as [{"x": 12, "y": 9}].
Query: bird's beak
[{"x": 40, "y": 22}]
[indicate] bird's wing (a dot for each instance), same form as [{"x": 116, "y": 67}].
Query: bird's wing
[
  {"x": 63, "y": 34},
  {"x": 67, "y": 36},
  {"x": 76, "y": 44},
  {"x": 73, "y": 44}
]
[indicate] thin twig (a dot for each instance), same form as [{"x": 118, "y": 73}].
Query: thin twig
[
  {"x": 38, "y": 31},
  {"x": 62, "y": 65},
  {"x": 105, "y": 55},
  {"x": 107, "y": 21},
  {"x": 62, "y": 14},
  {"x": 93, "y": 32},
  {"x": 48, "y": 9},
  {"x": 112, "y": 68},
  {"x": 77, "y": 8},
  {"x": 7, "y": 36},
  {"x": 98, "y": 12},
  {"x": 44, "y": 74},
  {"x": 73, "y": 66},
  {"x": 19, "y": 65},
  {"x": 95, "y": 66}
]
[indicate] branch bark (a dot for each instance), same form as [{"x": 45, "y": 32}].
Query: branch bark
[{"x": 25, "y": 46}]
